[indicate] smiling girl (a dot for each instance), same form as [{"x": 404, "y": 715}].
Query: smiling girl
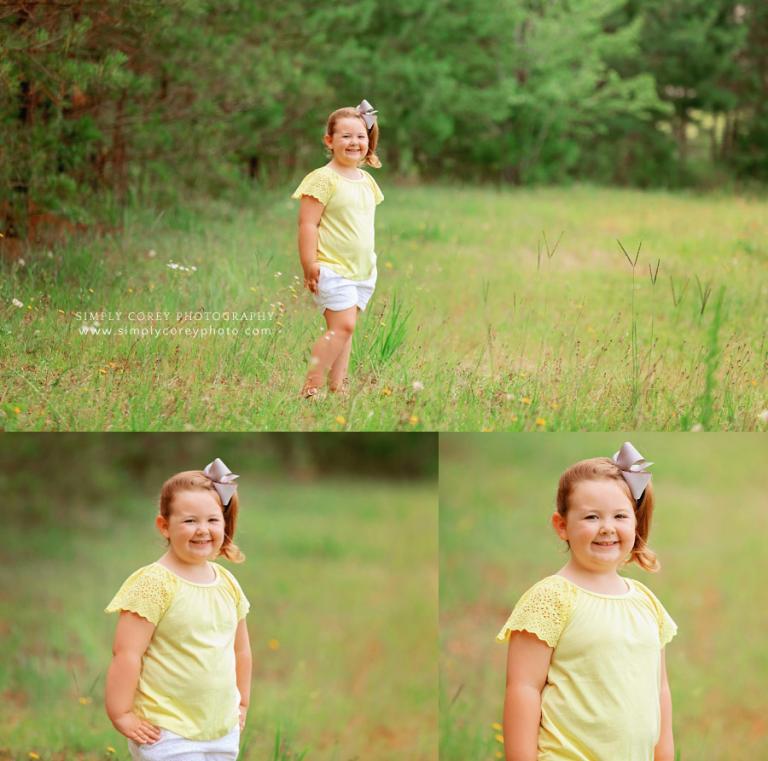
[
  {"x": 179, "y": 682},
  {"x": 336, "y": 239},
  {"x": 586, "y": 673}
]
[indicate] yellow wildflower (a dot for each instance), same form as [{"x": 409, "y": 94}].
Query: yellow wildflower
[
  {"x": 273, "y": 644},
  {"x": 413, "y": 419},
  {"x": 526, "y": 400},
  {"x": 340, "y": 419}
]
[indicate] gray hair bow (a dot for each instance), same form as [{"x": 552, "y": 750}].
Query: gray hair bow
[
  {"x": 223, "y": 480},
  {"x": 633, "y": 468},
  {"x": 366, "y": 110}
]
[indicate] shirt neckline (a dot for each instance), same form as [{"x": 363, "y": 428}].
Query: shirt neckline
[
  {"x": 623, "y": 596},
  {"x": 348, "y": 179},
  {"x": 193, "y": 583}
]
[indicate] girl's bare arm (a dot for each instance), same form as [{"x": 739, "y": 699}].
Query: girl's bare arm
[
  {"x": 243, "y": 663},
  {"x": 528, "y": 661},
  {"x": 310, "y": 211},
  {"x": 132, "y": 638},
  {"x": 665, "y": 748}
]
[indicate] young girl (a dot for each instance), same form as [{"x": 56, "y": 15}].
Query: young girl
[
  {"x": 586, "y": 677},
  {"x": 336, "y": 239},
  {"x": 179, "y": 682}
]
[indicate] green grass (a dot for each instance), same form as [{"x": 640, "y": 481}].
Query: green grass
[
  {"x": 342, "y": 581},
  {"x": 496, "y": 541},
  {"x": 514, "y": 310}
]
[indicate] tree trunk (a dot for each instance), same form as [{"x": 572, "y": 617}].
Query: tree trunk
[{"x": 119, "y": 178}]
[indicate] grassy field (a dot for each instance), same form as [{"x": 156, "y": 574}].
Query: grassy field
[
  {"x": 342, "y": 579},
  {"x": 709, "y": 532},
  {"x": 481, "y": 319}
]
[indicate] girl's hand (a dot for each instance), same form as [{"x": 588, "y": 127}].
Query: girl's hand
[
  {"x": 311, "y": 276},
  {"x": 136, "y": 729},
  {"x": 243, "y": 712}
]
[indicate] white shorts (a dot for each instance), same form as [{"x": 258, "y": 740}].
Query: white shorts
[
  {"x": 171, "y": 747},
  {"x": 335, "y": 292}
]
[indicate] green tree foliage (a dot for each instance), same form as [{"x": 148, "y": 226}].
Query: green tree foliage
[
  {"x": 127, "y": 96},
  {"x": 745, "y": 141},
  {"x": 691, "y": 48}
]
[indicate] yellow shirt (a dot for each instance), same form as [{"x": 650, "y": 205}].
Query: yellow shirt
[
  {"x": 601, "y": 698},
  {"x": 345, "y": 240},
  {"x": 187, "y": 683}
]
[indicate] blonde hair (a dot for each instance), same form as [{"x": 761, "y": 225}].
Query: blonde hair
[
  {"x": 196, "y": 480},
  {"x": 370, "y": 159},
  {"x": 599, "y": 468}
]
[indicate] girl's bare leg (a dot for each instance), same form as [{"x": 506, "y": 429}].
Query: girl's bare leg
[
  {"x": 331, "y": 344},
  {"x": 338, "y": 372}
]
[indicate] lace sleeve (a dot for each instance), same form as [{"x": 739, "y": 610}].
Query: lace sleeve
[
  {"x": 543, "y": 611},
  {"x": 378, "y": 196},
  {"x": 148, "y": 592},
  {"x": 241, "y": 601},
  {"x": 667, "y": 626},
  {"x": 319, "y": 184}
]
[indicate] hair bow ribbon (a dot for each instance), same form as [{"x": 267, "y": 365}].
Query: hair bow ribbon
[
  {"x": 366, "y": 110},
  {"x": 633, "y": 468},
  {"x": 223, "y": 480}
]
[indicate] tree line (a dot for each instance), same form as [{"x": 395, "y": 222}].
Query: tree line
[
  {"x": 49, "y": 477},
  {"x": 120, "y": 96}
]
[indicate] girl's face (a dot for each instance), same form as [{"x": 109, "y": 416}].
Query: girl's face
[
  {"x": 349, "y": 141},
  {"x": 195, "y": 527},
  {"x": 599, "y": 526}
]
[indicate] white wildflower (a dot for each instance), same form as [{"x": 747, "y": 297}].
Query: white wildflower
[
  {"x": 418, "y": 386},
  {"x": 181, "y": 267},
  {"x": 17, "y": 303}
]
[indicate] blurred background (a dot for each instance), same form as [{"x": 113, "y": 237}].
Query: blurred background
[
  {"x": 709, "y": 531},
  {"x": 126, "y": 100},
  {"x": 340, "y": 536}
]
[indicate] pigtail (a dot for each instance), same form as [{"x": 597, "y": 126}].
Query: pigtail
[
  {"x": 229, "y": 549},
  {"x": 642, "y": 554},
  {"x": 371, "y": 159}
]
